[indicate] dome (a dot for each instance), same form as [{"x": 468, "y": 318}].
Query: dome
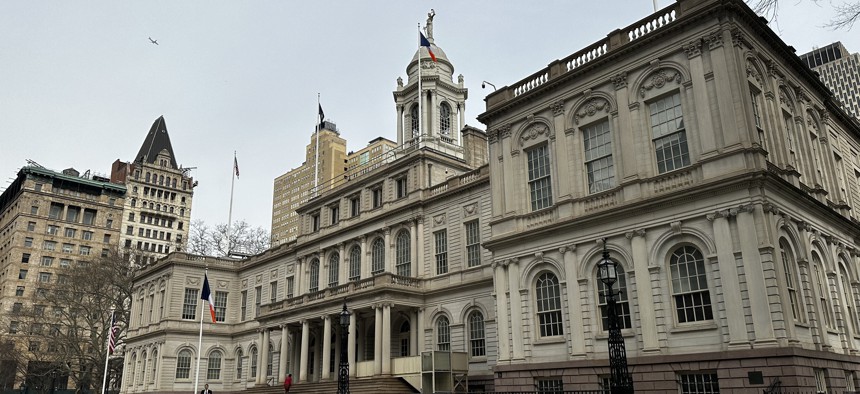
[{"x": 443, "y": 67}]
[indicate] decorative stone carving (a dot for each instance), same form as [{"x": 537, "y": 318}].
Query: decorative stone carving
[
  {"x": 533, "y": 132},
  {"x": 470, "y": 209},
  {"x": 619, "y": 80},
  {"x": 222, "y": 284},
  {"x": 460, "y": 80},
  {"x": 192, "y": 281},
  {"x": 557, "y": 108},
  {"x": 753, "y": 72},
  {"x": 399, "y": 83},
  {"x": 591, "y": 107},
  {"x": 676, "y": 226},
  {"x": 259, "y": 278},
  {"x": 739, "y": 39},
  {"x": 714, "y": 40},
  {"x": 659, "y": 79},
  {"x": 783, "y": 96},
  {"x": 439, "y": 220},
  {"x": 693, "y": 48},
  {"x": 636, "y": 233},
  {"x": 428, "y": 65},
  {"x": 771, "y": 68}
]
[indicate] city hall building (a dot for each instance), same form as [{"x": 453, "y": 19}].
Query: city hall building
[{"x": 693, "y": 146}]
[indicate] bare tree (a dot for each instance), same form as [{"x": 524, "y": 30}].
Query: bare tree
[
  {"x": 218, "y": 241},
  {"x": 845, "y": 13},
  {"x": 66, "y": 328}
]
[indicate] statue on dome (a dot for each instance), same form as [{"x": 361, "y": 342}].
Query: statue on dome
[{"x": 429, "y": 27}]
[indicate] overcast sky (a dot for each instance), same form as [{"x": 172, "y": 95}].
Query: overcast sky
[{"x": 80, "y": 83}]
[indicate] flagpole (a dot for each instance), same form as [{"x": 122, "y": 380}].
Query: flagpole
[
  {"x": 200, "y": 338},
  {"x": 107, "y": 352},
  {"x": 420, "y": 92},
  {"x": 230, "y": 212},
  {"x": 317, "y": 150}
]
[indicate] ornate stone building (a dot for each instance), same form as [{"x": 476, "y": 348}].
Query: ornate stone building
[
  {"x": 158, "y": 208},
  {"x": 400, "y": 243},
  {"x": 723, "y": 176},
  {"x": 48, "y": 221}
]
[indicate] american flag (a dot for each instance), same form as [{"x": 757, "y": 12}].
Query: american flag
[{"x": 112, "y": 333}]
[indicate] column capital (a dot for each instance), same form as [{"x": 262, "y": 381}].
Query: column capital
[
  {"x": 362, "y": 238},
  {"x": 567, "y": 248},
  {"x": 325, "y": 318},
  {"x": 635, "y": 233},
  {"x": 770, "y": 208},
  {"x": 282, "y": 326},
  {"x": 746, "y": 208},
  {"x": 693, "y": 48},
  {"x": 619, "y": 80}
]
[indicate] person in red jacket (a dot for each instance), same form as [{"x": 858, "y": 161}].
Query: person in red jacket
[{"x": 288, "y": 382}]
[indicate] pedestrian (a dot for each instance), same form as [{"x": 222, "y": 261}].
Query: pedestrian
[
  {"x": 288, "y": 382},
  {"x": 206, "y": 389}
]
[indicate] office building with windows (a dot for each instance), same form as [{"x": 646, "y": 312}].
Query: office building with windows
[
  {"x": 840, "y": 71},
  {"x": 158, "y": 208},
  {"x": 49, "y": 221}
]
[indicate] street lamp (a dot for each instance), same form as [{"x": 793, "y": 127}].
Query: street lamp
[
  {"x": 620, "y": 380},
  {"x": 343, "y": 371}
]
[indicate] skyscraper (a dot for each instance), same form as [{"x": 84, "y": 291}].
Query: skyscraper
[{"x": 840, "y": 71}]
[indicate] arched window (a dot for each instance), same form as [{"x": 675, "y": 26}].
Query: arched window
[
  {"x": 443, "y": 334},
  {"x": 183, "y": 364},
  {"x": 403, "y": 252},
  {"x": 213, "y": 369},
  {"x": 377, "y": 256},
  {"x": 254, "y": 362},
  {"x": 131, "y": 364},
  {"x": 355, "y": 263},
  {"x": 314, "y": 283},
  {"x": 161, "y": 179},
  {"x": 148, "y": 176},
  {"x": 549, "y": 305},
  {"x": 690, "y": 285},
  {"x": 333, "y": 269},
  {"x": 791, "y": 279},
  {"x": 414, "y": 115},
  {"x": 823, "y": 293},
  {"x": 844, "y": 281},
  {"x": 142, "y": 377},
  {"x": 239, "y": 364},
  {"x": 174, "y": 183},
  {"x": 154, "y": 366},
  {"x": 445, "y": 119},
  {"x": 622, "y": 306},
  {"x": 477, "y": 345}
]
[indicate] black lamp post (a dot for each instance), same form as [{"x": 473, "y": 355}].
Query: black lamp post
[
  {"x": 343, "y": 370},
  {"x": 620, "y": 380}
]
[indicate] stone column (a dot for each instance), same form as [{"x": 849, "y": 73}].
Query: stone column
[
  {"x": 753, "y": 270},
  {"x": 413, "y": 247},
  {"x": 350, "y": 343},
  {"x": 400, "y": 123},
  {"x": 377, "y": 351},
  {"x": 326, "y": 350},
  {"x": 324, "y": 267},
  {"x": 413, "y": 333},
  {"x": 645, "y": 293},
  {"x": 700, "y": 97},
  {"x": 260, "y": 354},
  {"x": 282, "y": 360},
  {"x": 729, "y": 275},
  {"x": 420, "y": 339},
  {"x": 386, "y": 339},
  {"x": 365, "y": 259},
  {"x": 461, "y": 106},
  {"x": 264, "y": 356},
  {"x": 343, "y": 270},
  {"x": 499, "y": 287},
  {"x": 299, "y": 280},
  {"x": 303, "y": 363},
  {"x": 418, "y": 269},
  {"x": 389, "y": 250},
  {"x": 574, "y": 306},
  {"x": 516, "y": 308}
]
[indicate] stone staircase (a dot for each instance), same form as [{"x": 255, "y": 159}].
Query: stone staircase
[{"x": 376, "y": 385}]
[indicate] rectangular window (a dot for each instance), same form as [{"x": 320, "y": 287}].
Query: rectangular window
[
  {"x": 13, "y": 327},
  {"x": 334, "y": 211},
  {"x": 70, "y": 232},
  {"x": 49, "y": 245},
  {"x": 273, "y": 292},
  {"x": 47, "y": 261},
  {"x": 473, "y": 244},
  {"x": 89, "y": 216},
  {"x": 315, "y": 222},
  {"x": 45, "y": 277},
  {"x": 220, "y": 306},
  {"x": 189, "y": 304},
  {"x": 598, "y": 157},
  {"x": 699, "y": 383},
  {"x": 31, "y": 226},
  {"x": 549, "y": 385},
  {"x": 68, "y": 248},
  {"x": 258, "y": 297},
  {"x": 53, "y": 230},
  {"x": 850, "y": 378},
  {"x": 25, "y": 258},
  {"x": 670, "y": 137},
  {"x": 290, "y": 287},
  {"x": 354, "y": 206},
  {"x": 441, "y": 242},
  {"x": 243, "y": 307},
  {"x": 756, "y": 107},
  {"x": 56, "y": 211},
  {"x": 376, "y": 197},
  {"x": 540, "y": 189},
  {"x": 85, "y": 250},
  {"x": 72, "y": 213},
  {"x": 87, "y": 235},
  {"x": 400, "y": 187},
  {"x": 34, "y": 210},
  {"x": 19, "y": 291},
  {"x": 28, "y": 242}
]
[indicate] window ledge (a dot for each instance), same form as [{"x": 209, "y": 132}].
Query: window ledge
[
  {"x": 550, "y": 340},
  {"x": 688, "y": 327},
  {"x": 625, "y": 332}
]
